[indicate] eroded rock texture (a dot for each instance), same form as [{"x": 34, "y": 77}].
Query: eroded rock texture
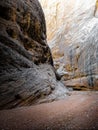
[
  {"x": 26, "y": 67},
  {"x": 75, "y": 42}
]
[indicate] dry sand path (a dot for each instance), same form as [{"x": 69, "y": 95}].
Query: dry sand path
[{"x": 77, "y": 112}]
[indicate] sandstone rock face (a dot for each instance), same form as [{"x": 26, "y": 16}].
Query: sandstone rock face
[
  {"x": 27, "y": 74},
  {"x": 55, "y": 12},
  {"x": 75, "y": 42}
]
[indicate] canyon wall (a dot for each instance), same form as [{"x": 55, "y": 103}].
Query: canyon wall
[
  {"x": 27, "y": 75},
  {"x": 73, "y": 38}
]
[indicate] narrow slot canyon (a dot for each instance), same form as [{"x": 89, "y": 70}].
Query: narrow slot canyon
[
  {"x": 49, "y": 65},
  {"x": 71, "y": 32}
]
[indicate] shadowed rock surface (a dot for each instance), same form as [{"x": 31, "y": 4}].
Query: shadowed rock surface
[{"x": 26, "y": 66}]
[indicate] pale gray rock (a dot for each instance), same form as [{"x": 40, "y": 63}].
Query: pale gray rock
[{"x": 74, "y": 42}]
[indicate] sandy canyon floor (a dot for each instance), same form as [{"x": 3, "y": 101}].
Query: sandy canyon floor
[{"x": 79, "y": 111}]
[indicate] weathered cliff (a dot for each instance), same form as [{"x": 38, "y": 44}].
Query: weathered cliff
[
  {"x": 27, "y": 75},
  {"x": 74, "y": 42}
]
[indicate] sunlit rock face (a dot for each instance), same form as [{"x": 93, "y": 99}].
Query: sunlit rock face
[
  {"x": 55, "y": 13},
  {"x": 74, "y": 41},
  {"x": 27, "y": 75}
]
